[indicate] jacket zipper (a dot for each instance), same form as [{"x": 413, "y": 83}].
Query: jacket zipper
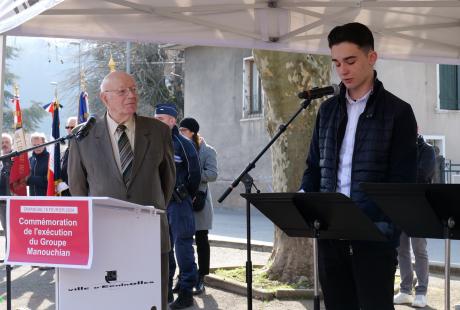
[{"x": 337, "y": 153}]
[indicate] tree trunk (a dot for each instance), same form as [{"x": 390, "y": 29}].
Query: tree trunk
[{"x": 283, "y": 75}]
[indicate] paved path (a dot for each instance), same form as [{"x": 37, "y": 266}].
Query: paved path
[
  {"x": 34, "y": 289},
  {"x": 232, "y": 223}
]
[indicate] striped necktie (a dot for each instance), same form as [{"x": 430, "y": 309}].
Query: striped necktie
[{"x": 126, "y": 153}]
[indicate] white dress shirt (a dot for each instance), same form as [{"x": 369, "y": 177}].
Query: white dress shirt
[
  {"x": 354, "y": 109},
  {"x": 114, "y": 136}
]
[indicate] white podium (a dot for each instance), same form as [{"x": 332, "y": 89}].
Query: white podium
[
  {"x": 126, "y": 266},
  {"x": 124, "y": 255}
]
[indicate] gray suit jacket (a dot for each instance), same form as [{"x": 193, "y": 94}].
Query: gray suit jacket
[{"x": 93, "y": 170}]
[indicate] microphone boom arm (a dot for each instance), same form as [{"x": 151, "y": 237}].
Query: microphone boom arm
[
  {"x": 79, "y": 134},
  {"x": 282, "y": 128},
  {"x": 17, "y": 153}
]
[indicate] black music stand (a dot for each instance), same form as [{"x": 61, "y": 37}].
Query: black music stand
[
  {"x": 317, "y": 216},
  {"x": 423, "y": 211}
]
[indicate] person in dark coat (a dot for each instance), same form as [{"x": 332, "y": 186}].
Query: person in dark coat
[
  {"x": 63, "y": 188},
  {"x": 7, "y": 142},
  {"x": 180, "y": 211},
  {"x": 363, "y": 134},
  {"x": 189, "y": 127},
  {"x": 7, "y": 147},
  {"x": 38, "y": 178},
  {"x": 426, "y": 162}
]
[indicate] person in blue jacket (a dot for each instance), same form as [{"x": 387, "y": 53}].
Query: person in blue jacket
[
  {"x": 180, "y": 211},
  {"x": 38, "y": 178},
  {"x": 363, "y": 134}
]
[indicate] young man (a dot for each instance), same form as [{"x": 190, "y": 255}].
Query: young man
[{"x": 364, "y": 134}]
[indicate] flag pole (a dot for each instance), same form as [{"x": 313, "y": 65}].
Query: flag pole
[
  {"x": 8, "y": 266},
  {"x": 54, "y": 163},
  {"x": 55, "y": 90},
  {"x": 82, "y": 80},
  {"x": 112, "y": 64},
  {"x": 16, "y": 95}
]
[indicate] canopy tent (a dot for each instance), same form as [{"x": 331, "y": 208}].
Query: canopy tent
[{"x": 421, "y": 30}]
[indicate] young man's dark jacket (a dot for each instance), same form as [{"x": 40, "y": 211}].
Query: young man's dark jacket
[
  {"x": 38, "y": 179},
  {"x": 187, "y": 163},
  {"x": 384, "y": 151}
]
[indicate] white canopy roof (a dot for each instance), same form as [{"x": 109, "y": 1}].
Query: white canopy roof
[{"x": 420, "y": 30}]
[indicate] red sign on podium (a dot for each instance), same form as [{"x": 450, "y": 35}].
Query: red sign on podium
[{"x": 49, "y": 232}]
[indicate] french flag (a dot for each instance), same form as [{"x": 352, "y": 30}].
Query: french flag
[{"x": 54, "y": 164}]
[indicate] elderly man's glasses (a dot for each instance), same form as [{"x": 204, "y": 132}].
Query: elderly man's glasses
[
  {"x": 123, "y": 92},
  {"x": 69, "y": 127}
]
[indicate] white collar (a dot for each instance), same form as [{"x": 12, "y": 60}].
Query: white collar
[
  {"x": 113, "y": 125},
  {"x": 359, "y": 100}
]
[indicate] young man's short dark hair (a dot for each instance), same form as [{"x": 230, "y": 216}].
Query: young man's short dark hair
[{"x": 356, "y": 33}]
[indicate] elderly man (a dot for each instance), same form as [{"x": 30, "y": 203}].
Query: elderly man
[
  {"x": 7, "y": 142},
  {"x": 38, "y": 178},
  {"x": 63, "y": 188},
  {"x": 127, "y": 157}
]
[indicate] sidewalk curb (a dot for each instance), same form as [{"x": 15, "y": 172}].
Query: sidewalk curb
[
  {"x": 232, "y": 286},
  {"x": 240, "y": 244},
  {"x": 261, "y": 246},
  {"x": 438, "y": 268},
  {"x": 239, "y": 288}
]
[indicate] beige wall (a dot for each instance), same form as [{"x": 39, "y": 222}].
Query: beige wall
[
  {"x": 214, "y": 96},
  {"x": 416, "y": 83}
]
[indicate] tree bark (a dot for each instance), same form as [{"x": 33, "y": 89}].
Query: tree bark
[{"x": 283, "y": 75}]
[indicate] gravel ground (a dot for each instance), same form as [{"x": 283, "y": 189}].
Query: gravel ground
[{"x": 34, "y": 289}]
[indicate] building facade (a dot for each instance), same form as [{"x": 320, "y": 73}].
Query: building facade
[{"x": 223, "y": 92}]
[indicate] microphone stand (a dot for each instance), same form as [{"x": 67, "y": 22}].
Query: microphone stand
[
  {"x": 14, "y": 154},
  {"x": 59, "y": 140},
  {"x": 248, "y": 181}
]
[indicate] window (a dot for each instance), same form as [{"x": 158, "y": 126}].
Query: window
[
  {"x": 252, "y": 90},
  {"x": 449, "y": 87}
]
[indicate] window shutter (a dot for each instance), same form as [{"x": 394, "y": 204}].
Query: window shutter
[
  {"x": 458, "y": 87},
  {"x": 449, "y": 87}
]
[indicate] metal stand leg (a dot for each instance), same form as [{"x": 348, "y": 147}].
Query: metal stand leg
[
  {"x": 316, "y": 300},
  {"x": 248, "y": 183},
  {"x": 447, "y": 275},
  {"x": 8, "y": 287},
  {"x": 448, "y": 226}
]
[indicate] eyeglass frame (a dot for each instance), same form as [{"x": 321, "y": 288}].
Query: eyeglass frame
[{"x": 120, "y": 92}]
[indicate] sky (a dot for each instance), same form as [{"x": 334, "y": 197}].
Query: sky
[{"x": 41, "y": 62}]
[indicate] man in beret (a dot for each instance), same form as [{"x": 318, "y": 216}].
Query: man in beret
[
  {"x": 180, "y": 211},
  {"x": 127, "y": 157}
]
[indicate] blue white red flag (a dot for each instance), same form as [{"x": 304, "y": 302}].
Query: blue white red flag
[
  {"x": 54, "y": 164},
  {"x": 83, "y": 108}
]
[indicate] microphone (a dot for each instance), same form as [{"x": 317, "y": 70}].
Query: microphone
[
  {"x": 83, "y": 130},
  {"x": 316, "y": 92}
]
